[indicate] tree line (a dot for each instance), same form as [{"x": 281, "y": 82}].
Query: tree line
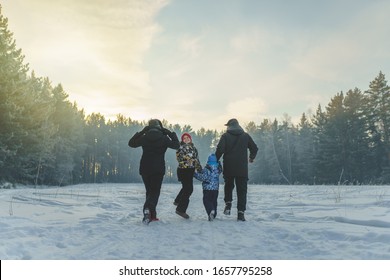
[{"x": 47, "y": 140}]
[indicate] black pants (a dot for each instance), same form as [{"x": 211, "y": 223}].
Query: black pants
[
  {"x": 210, "y": 201},
  {"x": 185, "y": 176},
  {"x": 242, "y": 188},
  {"x": 153, "y": 187}
]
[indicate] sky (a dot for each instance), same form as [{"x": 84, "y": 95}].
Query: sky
[{"x": 202, "y": 62}]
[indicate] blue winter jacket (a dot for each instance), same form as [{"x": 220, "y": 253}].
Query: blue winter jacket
[{"x": 209, "y": 176}]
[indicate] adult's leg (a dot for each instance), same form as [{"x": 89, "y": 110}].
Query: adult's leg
[
  {"x": 153, "y": 187},
  {"x": 242, "y": 189},
  {"x": 147, "y": 182},
  {"x": 228, "y": 188}
]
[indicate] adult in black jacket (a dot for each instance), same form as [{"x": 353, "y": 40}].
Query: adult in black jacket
[
  {"x": 154, "y": 140},
  {"x": 234, "y": 145}
]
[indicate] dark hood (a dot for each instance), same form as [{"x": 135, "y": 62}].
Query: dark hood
[
  {"x": 235, "y": 129},
  {"x": 154, "y": 134}
]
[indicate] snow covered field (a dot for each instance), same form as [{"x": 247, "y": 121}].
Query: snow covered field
[{"x": 103, "y": 222}]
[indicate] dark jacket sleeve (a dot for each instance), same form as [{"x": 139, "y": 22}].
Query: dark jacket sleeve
[
  {"x": 136, "y": 140},
  {"x": 252, "y": 148},
  {"x": 221, "y": 147},
  {"x": 173, "y": 141}
]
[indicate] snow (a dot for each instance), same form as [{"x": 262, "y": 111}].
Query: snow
[{"x": 103, "y": 222}]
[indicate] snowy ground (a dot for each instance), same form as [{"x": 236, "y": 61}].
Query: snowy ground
[{"x": 101, "y": 222}]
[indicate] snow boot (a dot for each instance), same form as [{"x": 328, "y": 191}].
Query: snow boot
[
  {"x": 240, "y": 216},
  {"x": 182, "y": 214},
  {"x": 153, "y": 216},
  {"x": 212, "y": 215},
  {"x": 228, "y": 207},
  {"x": 146, "y": 219}
]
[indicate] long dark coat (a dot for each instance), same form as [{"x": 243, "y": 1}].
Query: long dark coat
[
  {"x": 154, "y": 144},
  {"x": 234, "y": 145}
]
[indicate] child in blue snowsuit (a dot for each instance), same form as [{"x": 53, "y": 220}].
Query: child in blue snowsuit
[{"x": 210, "y": 183}]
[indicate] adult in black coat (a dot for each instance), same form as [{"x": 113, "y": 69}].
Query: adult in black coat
[
  {"x": 234, "y": 145},
  {"x": 154, "y": 140}
]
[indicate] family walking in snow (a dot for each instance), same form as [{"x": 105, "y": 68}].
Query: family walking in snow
[{"x": 232, "y": 148}]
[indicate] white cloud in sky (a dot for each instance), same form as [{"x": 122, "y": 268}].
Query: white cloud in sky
[
  {"x": 252, "y": 107},
  {"x": 94, "y": 48},
  {"x": 189, "y": 63},
  {"x": 190, "y": 45}
]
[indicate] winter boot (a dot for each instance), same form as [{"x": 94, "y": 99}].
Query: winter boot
[
  {"x": 212, "y": 215},
  {"x": 146, "y": 218},
  {"x": 240, "y": 216},
  {"x": 182, "y": 214},
  {"x": 228, "y": 207},
  {"x": 153, "y": 216}
]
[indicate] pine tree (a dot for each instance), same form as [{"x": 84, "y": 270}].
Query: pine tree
[
  {"x": 13, "y": 85},
  {"x": 357, "y": 164},
  {"x": 267, "y": 160},
  {"x": 96, "y": 162},
  {"x": 305, "y": 151},
  {"x": 378, "y": 118},
  {"x": 69, "y": 142},
  {"x": 335, "y": 140},
  {"x": 320, "y": 161},
  {"x": 37, "y": 141}
]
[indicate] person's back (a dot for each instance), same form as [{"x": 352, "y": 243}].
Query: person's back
[
  {"x": 154, "y": 147},
  {"x": 233, "y": 147},
  {"x": 154, "y": 140}
]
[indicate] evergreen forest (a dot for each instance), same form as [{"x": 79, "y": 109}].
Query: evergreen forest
[{"x": 47, "y": 140}]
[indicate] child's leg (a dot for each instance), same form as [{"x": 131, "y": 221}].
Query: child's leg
[
  {"x": 215, "y": 202},
  {"x": 207, "y": 201}
]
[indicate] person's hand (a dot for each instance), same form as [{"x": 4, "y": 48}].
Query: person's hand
[
  {"x": 251, "y": 160},
  {"x": 146, "y": 128}
]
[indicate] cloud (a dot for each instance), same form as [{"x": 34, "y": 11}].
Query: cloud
[
  {"x": 190, "y": 45},
  {"x": 338, "y": 56},
  {"x": 246, "y": 109},
  {"x": 255, "y": 39},
  {"x": 94, "y": 48},
  {"x": 159, "y": 59}
]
